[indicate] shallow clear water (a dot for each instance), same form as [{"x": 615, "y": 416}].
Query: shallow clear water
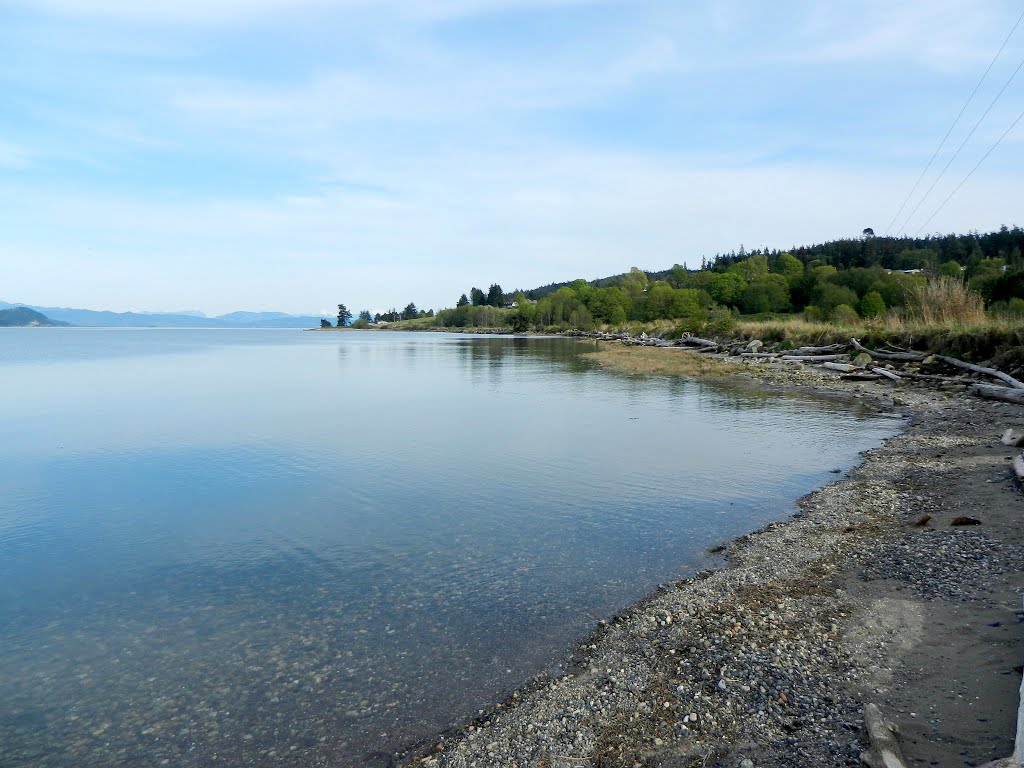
[{"x": 275, "y": 547}]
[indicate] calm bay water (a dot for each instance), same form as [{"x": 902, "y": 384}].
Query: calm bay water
[{"x": 284, "y": 548}]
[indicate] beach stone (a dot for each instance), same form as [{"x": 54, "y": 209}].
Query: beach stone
[
  {"x": 862, "y": 359},
  {"x": 964, "y": 520},
  {"x": 754, "y": 345}
]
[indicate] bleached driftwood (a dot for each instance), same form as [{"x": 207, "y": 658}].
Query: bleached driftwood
[
  {"x": 885, "y": 750},
  {"x": 1006, "y": 394},
  {"x": 886, "y": 372},
  {"x": 908, "y": 357},
  {"x": 826, "y": 350},
  {"x": 1018, "y": 467},
  {"x": 759, "y": 354},
  {"x": 696, "y": 341},
  {"x": 1005, "y": 377},
  {"x": 841, "y": 367}
]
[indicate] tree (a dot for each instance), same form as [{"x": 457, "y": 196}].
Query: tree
[
  {"x": 410, "y": 312},
  {"x": 770, "y": 294},
  {"x": 463, "y": 301},
  {"x": 477, "y": 297},
  {"x": 727, "y": 288},
  {"x": 520, "y": 320},
  {"x": 326, "y": 324},
  {"x": 789, "y": 266},
  {"x": 951, "y": 269},
  {"x": 365, "y": 315},
  {"x": 495, "y": 296},
  {"x": 753, "y": 269},
  {"x": 344, "y": 316},
  {"x": 872, "y": 305},
  {"x": 868, "y": 232}
]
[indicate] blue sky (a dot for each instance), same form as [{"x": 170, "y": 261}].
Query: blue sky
[{"x": 291, "y": 154}]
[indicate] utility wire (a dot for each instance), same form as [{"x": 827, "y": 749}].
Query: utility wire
[
  {"x": 990, "y": 151},
  {"x": 962, "y": 145},
  {"x": 957, "y": 120}
]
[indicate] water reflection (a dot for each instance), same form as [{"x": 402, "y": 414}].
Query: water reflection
[{"x": 303, "y": 550}]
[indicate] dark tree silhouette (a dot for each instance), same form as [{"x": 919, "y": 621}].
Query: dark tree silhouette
[{"x": 344, "y": 316}]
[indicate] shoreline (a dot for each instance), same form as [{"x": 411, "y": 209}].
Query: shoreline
[{"x": 772, "y": 658}]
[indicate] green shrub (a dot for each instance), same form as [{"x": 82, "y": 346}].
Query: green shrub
[
  {"x": 872, "y": 305},
  {"x": 813, "y": 314},
  {"x": 844, "y": 314}
]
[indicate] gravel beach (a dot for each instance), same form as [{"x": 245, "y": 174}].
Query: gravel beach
[{"x": 858, "y": 598}]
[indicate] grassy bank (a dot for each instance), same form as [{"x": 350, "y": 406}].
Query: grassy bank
[{"x": 998, "y": 340}]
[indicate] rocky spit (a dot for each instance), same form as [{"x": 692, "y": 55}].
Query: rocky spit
[{"x": 770, "y": 660}]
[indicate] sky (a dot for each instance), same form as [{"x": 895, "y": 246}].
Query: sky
[{"x": 289, "y": 155}]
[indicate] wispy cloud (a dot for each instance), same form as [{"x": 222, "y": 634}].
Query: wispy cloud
[{"x": 273, "y": 153}]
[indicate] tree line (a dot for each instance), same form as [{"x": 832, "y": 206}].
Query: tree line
[
  {"x": 367, "y": 318},
  {"x": 839, "y": 280}
]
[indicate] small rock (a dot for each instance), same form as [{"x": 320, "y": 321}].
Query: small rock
[
  {"x": 964, "y": 520},
  {"x": 923, "y": 521}
]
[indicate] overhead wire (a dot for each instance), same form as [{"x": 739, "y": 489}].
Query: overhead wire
[
  {"x": 962, "y": 145},
  {"x": 964, "y": 180},
  {"x": 951, "y": 127}
]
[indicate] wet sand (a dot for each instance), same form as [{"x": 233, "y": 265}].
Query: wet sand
[{"x": 770, "y": 661}]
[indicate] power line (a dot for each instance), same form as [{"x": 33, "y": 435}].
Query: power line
[
  {"x": 962, "y": 145},
  {"x": 957, "y": 120},
  {"x": 990, "y": 151}
]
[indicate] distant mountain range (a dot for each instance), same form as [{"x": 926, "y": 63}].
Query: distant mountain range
[
  {"x": 95, "y": 319},
  {"x": 21, "y": 317}
]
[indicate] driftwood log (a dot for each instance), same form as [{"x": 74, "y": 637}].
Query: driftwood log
[
  {"x": 885, "y": 750},
  {"x": 907, "y": 357},
  {"x": 1005, "y": 377},
  {"x": 1006, "y": 394},
  {"x": 892, "y": 376},
  {"x": 841, "y": 367},
  {"x": 821, "y": 350},
  {"x": 696, "y": 341}
]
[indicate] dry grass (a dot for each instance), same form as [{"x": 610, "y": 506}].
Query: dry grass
[
  {"x": 997, "y": 339},
  {"x": 657, "y": 360},
  {"x": 947, "y": 301}
]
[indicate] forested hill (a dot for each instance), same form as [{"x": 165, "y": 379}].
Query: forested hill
[
  {"x": 894, "y": 253},
  {"x": 23, "y": 317}
]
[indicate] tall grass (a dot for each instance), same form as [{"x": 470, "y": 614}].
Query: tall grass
[{"x": 946, "y": 301}]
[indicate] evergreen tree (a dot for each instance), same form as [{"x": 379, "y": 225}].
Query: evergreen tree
[
  {"x": 463, "y": 301},
  {"x": 344, "y": 316}
]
